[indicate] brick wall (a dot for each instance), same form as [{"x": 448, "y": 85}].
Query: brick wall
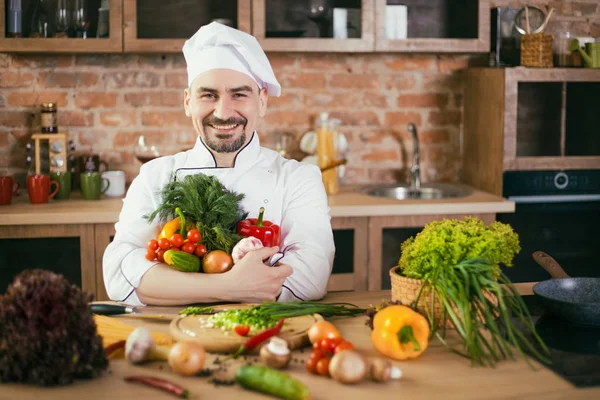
[{"x": 106, "y": 101}]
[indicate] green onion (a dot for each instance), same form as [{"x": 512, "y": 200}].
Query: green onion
[{"x": 487, "y": 329}]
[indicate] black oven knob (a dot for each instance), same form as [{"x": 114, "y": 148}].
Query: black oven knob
[{"x": 561, "y": 180}]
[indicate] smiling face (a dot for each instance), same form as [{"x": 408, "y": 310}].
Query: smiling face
[{"x": 225, "y": 106}]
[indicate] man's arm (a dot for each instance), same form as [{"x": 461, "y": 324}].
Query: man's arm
[
  {"x": 307, "y": 237},
  {"x": 132, "y": 279}
]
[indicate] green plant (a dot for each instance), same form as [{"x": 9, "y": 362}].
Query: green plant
[
  {"x": 443, "y": 244},
  {"x": 203, "y": 199},
  {"x": 459, "y": 264}
]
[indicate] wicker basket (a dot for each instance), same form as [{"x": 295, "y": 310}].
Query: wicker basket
[
  {"x": 406, "y": 291},
  {"x": 536, "y": 50}
]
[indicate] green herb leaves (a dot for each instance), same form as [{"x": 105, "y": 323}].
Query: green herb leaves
[{"x": 203, "y": 199}]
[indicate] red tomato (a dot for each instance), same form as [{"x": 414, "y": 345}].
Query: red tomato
[
  {"x": 200, "y": 250},
  {"x": 327, "y": 346},
  {"x": 194, "y": 236},
  {"x": 188, "y": 247},
  {"x": 322, "y": 366},
  {"x": 160, "y": 255},
  {"x": 311, "y": 365},
  {"x": 177, "y": 240},
  {"x": 242, "y": 330},
  {"x": 150, "y": 255},
  {"x": 164, "y": 244},
  {"x": 343, "y": 346},
  {"x": 153, "y": 245}
]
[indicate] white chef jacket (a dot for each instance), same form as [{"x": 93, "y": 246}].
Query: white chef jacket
[{"x": 291, "y": 192}]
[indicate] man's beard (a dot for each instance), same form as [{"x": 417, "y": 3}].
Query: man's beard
[{"x": 225, "y": 147}]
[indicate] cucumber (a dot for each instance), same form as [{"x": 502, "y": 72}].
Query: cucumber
[
  {"x": 182, "y": 261},
  {"x": 270, "y": 381}
]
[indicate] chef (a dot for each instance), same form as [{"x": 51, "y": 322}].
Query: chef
[{"x": 229, "y": 82}]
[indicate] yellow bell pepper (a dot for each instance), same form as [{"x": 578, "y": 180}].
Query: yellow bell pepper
[
  {"x": 175, "y": 226},
  {"x": 400, "y": 333}
]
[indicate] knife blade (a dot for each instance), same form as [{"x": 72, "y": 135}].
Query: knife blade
[{"x": 128, "y": 311}]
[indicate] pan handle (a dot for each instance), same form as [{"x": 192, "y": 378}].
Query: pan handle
[{"x": 550, "y": 265}]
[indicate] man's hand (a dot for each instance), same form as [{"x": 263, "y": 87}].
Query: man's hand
[{"x": 253, "y": 281}]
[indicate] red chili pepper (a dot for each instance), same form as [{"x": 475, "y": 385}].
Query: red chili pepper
[
  {"x": 242, "y": 330},
  {"x": 259, "y": 338},
  {"x": 268, "y": 233},
  {"x": 114, "y": 347},
  {"x": 160, "y": 383}
]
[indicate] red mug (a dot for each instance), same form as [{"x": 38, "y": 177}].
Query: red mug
[
  {"x": 8, "y": 188},
  {"x": 39, "y": 188}
]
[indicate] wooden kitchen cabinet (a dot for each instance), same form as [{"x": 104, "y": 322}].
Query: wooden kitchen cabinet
[
  {"x": 440, "y": 26},
  {"x": 529, "y": 119},
  {"x": 112, "y": 44},
  {"x": 156, "y": 26}
]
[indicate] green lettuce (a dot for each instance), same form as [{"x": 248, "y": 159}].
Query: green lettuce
[{"x": 443, "y": 244}]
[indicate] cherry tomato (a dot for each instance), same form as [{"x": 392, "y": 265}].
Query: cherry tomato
[
  {"x": 318, "y": 353},
  {"x": 322, "y": 366},
  {"x": 150, "y": 255},
  {"x": 177, "y": 240},
  {"x": 200, "y": 250},
  {"x": 327, "y": 346},
  {"x": 164, "y": 244},
  {"x": 311, "y": 365},
  {"x": 153, "y": 245},
  {"x": 323, "y": 330},
  {"x": 194, "y": 236},
  {"x": 343, "y": 346},
  {"x": 242, "y": 330},
  {"x": 188, "y": 247},
  {"x": 160, "y": 255}
]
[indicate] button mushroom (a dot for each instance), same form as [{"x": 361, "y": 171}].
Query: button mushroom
[
  {"x": 348, "y": 366},
  {"x": 381, "y": 370},
  {"x": 276, "y": 353}
]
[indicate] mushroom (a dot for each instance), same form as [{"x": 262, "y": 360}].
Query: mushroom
[
  {"x": 187, "y": 358},
  {"x": 276, "y": 353},
  {"x": 348, "y": 366},
  {"x": 140, "y": 347},
  {"x": 381, "y": 370}
]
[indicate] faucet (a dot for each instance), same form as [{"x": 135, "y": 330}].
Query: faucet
[{"x": 415, "y": 170}]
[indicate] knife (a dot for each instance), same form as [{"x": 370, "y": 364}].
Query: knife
[{"x": 115, "y": 309}]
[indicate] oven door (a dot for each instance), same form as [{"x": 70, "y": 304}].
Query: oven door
[{"x": 567, "y": 227}]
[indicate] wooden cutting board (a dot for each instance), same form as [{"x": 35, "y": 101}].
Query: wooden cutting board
[{"x": 215, "y": 340}]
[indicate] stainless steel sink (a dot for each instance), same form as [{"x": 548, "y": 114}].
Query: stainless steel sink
[{"x": 428, "y": 191}]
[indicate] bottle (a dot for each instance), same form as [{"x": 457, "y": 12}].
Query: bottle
[
  {"x": 48, "y": 118},
  {"x": 15, "y": 24},
  {"x": 40, "y": 20},
  {"x": 326, "y": 152}
]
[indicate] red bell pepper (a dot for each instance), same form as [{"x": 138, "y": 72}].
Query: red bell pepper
[{"x": 268, "y": 233}]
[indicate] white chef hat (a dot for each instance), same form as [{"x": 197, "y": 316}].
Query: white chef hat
[{"x": 218, "y": 46}]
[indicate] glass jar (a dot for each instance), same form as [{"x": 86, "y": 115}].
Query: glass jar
[{"x": 48, "y": 118}]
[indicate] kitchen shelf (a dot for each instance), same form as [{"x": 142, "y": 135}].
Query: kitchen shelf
[
  {"x": 437, "y": 26},
  {"x": 262, "y": 23},
  {"x": 112, "y": 44},
  {"x": 149, "y": 28},
  {"x": 524, "y": 119}
]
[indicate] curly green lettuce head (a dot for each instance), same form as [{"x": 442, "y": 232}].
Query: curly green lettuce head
[{"x": 443, "y": 244}]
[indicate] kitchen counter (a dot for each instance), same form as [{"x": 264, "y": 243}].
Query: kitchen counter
[
  {"x": 347, "y": 203},
  {"x": 438, "y": 373}
]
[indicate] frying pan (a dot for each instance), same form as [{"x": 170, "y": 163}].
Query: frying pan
[{"x": 573, "y": 299}]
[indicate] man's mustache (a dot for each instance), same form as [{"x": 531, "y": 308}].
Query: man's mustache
[{"x": 212, "y": 120}]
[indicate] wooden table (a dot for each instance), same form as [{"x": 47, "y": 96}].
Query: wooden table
[{"x": 438, "y": 373}]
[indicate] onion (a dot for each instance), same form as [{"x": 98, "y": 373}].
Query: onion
[
  {"x": 187, "y": 358},
  {"x": 245, "y": 246}
]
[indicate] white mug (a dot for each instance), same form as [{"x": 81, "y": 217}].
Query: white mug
[{"x": 117, "y": 183}]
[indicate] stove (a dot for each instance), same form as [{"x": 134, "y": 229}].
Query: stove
[{"x": 574, "y": 349}]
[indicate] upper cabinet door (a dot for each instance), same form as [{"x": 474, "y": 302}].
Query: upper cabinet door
[
  {"x": 314, "y": 25},
  {"x": 53, "y": 26},
  {"x": 428, "y": 26},
  {"x": 155, "y": 26}
]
